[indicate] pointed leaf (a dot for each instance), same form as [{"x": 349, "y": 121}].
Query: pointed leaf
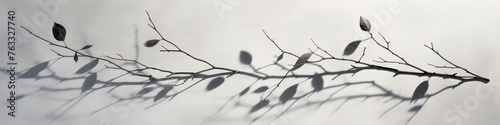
[
  {"x": 89, "y": 82},
  {"x": 364, "y": 24},
  {"x": 75, "y": 57},
  {"x": 416, "y": 108},
  {"x": 301, "y": 61},
  {"x": 151, "y": 43},
  {"x": 58, "y": 31},
  {"x": 245, "y": 57},
  {"x": 259, "y": 106},
  {"x": 317, "y": 82},
  {"x": 351, "y": 47},
  {"x": 87, "y": 67},
  {"x": 244, "y": 91},
  {"x": 288, "y": 93},
  {"x": 260, "y": 89},
  {"x": 35, "y": 70},
  {"x": 145, "y": 90},
  {"x": 420, "y": 91},
  {"x": 280, "y": 57},
  {"x": 162, "y": 93},
  {"x": 215, "y": 83},
  {"x": 86, "y": 47}
]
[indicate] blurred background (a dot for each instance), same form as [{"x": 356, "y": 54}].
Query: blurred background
[{"x": 464, "y": 31}]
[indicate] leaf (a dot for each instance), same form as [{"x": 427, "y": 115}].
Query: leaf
[
  {"x": 87, "y": 67},
  {"x": 162, "y": 93},
  {"x": 416, "y": 108},
  {"x": 317, "y": 82},
  {"x": 86, "y": 47},
  {"x": 75, "y": 57},
  {"x": 301, "y": 61},
  {"x": 259, "y": 106},
  {"x": 245, "y": 57},
  {"x": 288, "y": 93},
  {"x": 364, "y": 24},
  {"x": 35, "y": 70},
  {"x": 280, "y": 57},
  {"x": 215, "y": 83},
  {"x": 58, "y": 31},
  {"x": 89, "y": 82},
  {"x": 261, "y": 89},
  {"x": 420, "y": 91},
  {"x": 351, "y": 47},
  {"x": 244, "y": 91},
  {"x": 151, "y": 43},
  {"x": 145, "y": 90}
]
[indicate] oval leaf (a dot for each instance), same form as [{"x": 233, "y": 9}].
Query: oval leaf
[
  {"x": 35, "y": 70},
  {"x": 301, "y": 61},
  {"x": 86, "y": 47},
  {"x": 288, "y": 93},
  {"x": 351, "y": 47},
  {"x": 245, "y": 57},
  {"x": 162, "y": 93},
  {"x": 416, "y": 108},
  {"x": 420, "y": 91},
  {"x": 75, "y": 57},
  {"x": 364, "y": 24},
  {"x": 215, "y": 83},
  {"x": 259, "y": 106},
  {"x": 244, "y": 91},
  {"x": 317, "y": 82},
  {"x": 280, "y": 57},
  {"x": 89, "y": 82},
  {"x": 87, "y": 67},
  {"x": 151, "y": 43},
  {"x": 261, "y": 89},
  {"x": 58, "y": 31}
]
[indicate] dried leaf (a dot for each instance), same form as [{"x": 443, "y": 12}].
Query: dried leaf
[
  {"x": 215, "y": 83},
  {"x": 301, "y": 61},
  {"x": 86, "y": 47},
  {"x": 151, "y": 43},
  {"x": 364, "y": 24},
  {"x": 58, "y": 31},
  {"x": 351, "y": 47},
  {"x": 261, "y": 89},
  {"x": 89, "y": 82},
  {"x": 75, "y": 57},
  {"x": 420, "y": 91},
  {"x": 288, "y": 93},
  {"x": 245, "y": 57}
]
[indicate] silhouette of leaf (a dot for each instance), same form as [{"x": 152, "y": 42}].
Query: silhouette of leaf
[
  {"x": 151, "y": 43},
  {"x": 415, "y": 108},
  {"x": 35, "y": 70},
  {"x": 261, "y": 89},
  {"x": 162, "y": 93},
  {"x": 87, "y": 67},
  {"x": 259, "y": 106},
  {"x": 245, "y": 57},
  {"x": 280, "y": 57},
  {"x": 58, "y": 31},
  {"x": 89, "y": 82},
  {"x": 364, "y": 24},
  {"x": 75, "y": 57},
  {"x": 301, "y": 61},
  {"x": 145, "y": 90},
  {"x": 86, "y": 47},
  {"x": 244, "y": 91},
  {"x": 351, "y": 47},
  {"x": 288, "y": 93},
  {"x": 317, "y": 82},
  {"x": 215, "y": 83},
  {"x": 420, "y": 91}
]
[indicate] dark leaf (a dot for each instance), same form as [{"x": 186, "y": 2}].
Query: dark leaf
[
  {"x": 151, "y": 43},
  {"x": 86, "y": 47},
  {"x": 280, "y": 57},
  {"x": 58, "y": 31},
  {"x": 351, "y": 47},
  {"x": 145, "y": 90},
  {"x": 245, "y": 57},
  {"x": 75, "y": 57},
  {"x": 35, "y": 70},
  {"x": 215, "y": 83},
  {"x": 301, "y": 61},
  {"x": 162, "y": 93},
  {"x": 416, "y": 108},
  {"x": 244, "y": 91},
  {"x": 288, "y": 93},
  {"x": 260, "y": 89},
  {"x": 259, "y": 106},
  {"x": 420, "y": 91},
  {"x": 89, "y": 82},
  {"x": 87, "y": 67},
  {"x": 364, "y": 24},
  {"x": 317, "y": 82}
]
